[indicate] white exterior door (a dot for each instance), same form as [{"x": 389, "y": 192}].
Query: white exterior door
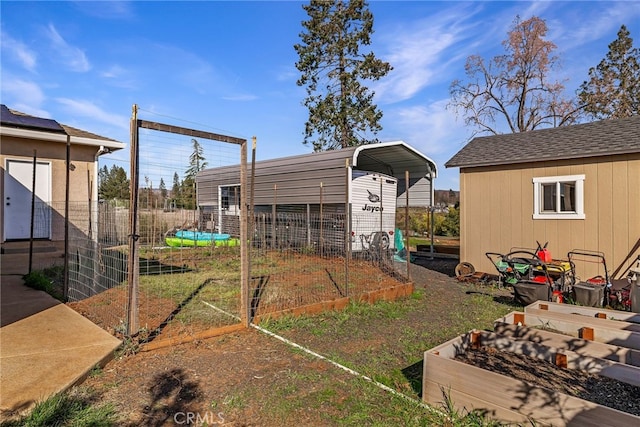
[{"x": 18, "y": 182}]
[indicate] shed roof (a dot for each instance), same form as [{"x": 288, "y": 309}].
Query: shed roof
[
  {"x": 601, "y": 138},
  {"x": 16, "y": 123}
]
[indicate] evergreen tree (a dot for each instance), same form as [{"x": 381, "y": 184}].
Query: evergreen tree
[
  {"x": 103, "y": 175},
  {"x": 196, "y": 164},
  {"x": 187, "y": 193},
  {"x": 341, "y": 109},
  {"x": 175, "y": 190},
  {"x": 113, "y": 183},
  {"x": 163, "y": 190},
  {"x": 196, "y": 161},
  {"x": 613, "y": 89}
]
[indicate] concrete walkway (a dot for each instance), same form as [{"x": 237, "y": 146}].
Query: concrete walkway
[{"x": 45, "y": 346}]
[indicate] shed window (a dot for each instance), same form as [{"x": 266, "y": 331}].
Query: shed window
[{"x": 558, "y": 197}]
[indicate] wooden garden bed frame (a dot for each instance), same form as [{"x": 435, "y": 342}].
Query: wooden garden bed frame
[
  {"x": 614, "y": 332},
  {"x": 569, "y": 336},
  {"x": 601, "y": 313},
  {"x": 577, "y": 345}
]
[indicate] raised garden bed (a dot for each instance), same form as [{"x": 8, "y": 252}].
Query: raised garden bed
[
  {"x": 525, "y": 375},
  {"x": 614, "y": 332},
  {"x": 613, "y": 393},
  {"x": 440, "y": 249},
  {"x": 602, "y": 313},
  {"x": 577, "y": 345}
]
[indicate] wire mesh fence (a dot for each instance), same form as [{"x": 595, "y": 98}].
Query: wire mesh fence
[
  {"x": 185, "y": 290},
  {"x": 180, "y": 287},
  {"x": 186, "y": 258},
  {"x": 312, "y": 261}
]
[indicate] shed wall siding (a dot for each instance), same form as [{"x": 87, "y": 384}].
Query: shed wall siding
[{"x": 497, "y": 212}]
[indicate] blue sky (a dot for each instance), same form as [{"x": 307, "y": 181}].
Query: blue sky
[{"x": 230, "y": 66}]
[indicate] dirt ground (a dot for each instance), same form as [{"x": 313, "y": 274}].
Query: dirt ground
[{"x": 252, "y": 379}]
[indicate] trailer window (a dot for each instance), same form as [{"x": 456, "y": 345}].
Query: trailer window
[
  {"x": 558, "y": 197},
  {"x": 230, "y": 197}
]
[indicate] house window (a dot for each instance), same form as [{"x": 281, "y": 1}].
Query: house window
[{"x": 558, "y": 197}]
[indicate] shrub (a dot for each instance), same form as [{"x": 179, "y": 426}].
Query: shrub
[
  {"x": 419, "y": 222},
  {"x": 49, "y": 280},
  {"x": 449, "y": 224}
]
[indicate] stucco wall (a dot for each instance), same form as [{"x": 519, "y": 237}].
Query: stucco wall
[
  {"x": 497, "y": 212},
  {"x": 81, "y": 178}
]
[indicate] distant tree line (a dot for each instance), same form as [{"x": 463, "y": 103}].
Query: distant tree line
[{"x": 115, "y": 185}]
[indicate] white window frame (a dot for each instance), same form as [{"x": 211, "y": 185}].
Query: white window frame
[{"x": 537, "y": 197}]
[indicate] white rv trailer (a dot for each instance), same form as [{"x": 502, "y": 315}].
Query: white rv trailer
[{"x": 372, "y": 199}]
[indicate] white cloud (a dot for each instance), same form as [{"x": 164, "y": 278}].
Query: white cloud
[
  {"x": 83, "y": 108},
  {"x": 106, "y": 9},
  {"x": 74, "y": 58},
  {"x": 113, "y": 72},
  {"x": 420, "y": 52},
  {"x": 240, "y": 97},
  {"x": 431, "y": 128},
  {"x": 575, "y": 30},
  {"x": 186, "y": 68},
  {"x": 287, "y": 73},
  {"x": 19, "y": 51},
  {"x": 118, "y": 76},
  {"x": 23, "y": 95}
]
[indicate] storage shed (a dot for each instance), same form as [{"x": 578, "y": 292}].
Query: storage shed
[{"x": 575, "y": 187}]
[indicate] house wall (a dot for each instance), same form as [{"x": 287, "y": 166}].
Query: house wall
[
  {"x": 497, "y": 212},
  {"x": 80, "y": 178}
]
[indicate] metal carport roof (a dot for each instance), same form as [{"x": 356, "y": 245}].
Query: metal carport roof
[{"x": 393, "y": 158}]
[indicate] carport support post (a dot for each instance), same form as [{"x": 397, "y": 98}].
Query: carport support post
[
  {"x": 252, "y": 218},
  {"x": 347, "y": 225},
  {"x": 274, "y": 212},
  {"x": 432, "y": 209},
  {"x": 380, "y": 249},
  {"x": 407, "y": 251},
  {"x": 321, "y": 223}
]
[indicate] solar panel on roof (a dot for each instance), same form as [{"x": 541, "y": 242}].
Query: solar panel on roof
[{"x": 30, "y": 122}]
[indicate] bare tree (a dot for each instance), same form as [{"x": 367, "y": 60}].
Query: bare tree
[{"x": 515, "y": 88}]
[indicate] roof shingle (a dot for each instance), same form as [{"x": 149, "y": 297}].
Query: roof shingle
[{"x": 601, "y": 138}]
